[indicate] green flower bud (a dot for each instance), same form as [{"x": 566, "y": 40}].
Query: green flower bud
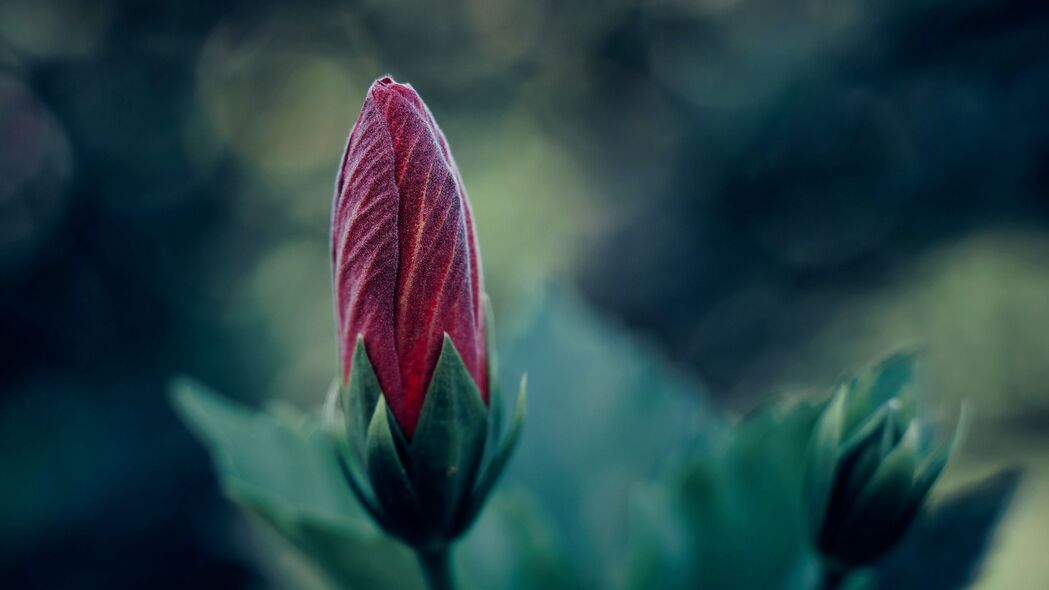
[
  {"x": 427, "y": 489},
  {"x": 870, "y": 465}
]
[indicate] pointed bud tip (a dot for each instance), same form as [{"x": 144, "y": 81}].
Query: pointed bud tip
[{"x": 382, "y": 87}]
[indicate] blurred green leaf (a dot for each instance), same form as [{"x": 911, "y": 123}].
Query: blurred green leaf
[
  {"x": 604, "y": 413},
  {"x": 514, "y": 547},
  {"x": 725, "y": 514},
  {"x": 730, "y": 517},
  {"x": 280, "y": 466},
  {"x": 947, "y": 545}
]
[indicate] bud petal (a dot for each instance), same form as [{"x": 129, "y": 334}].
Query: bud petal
[
  {"x": 405, "y": 262},
  {"x": 365, "y": 246}
]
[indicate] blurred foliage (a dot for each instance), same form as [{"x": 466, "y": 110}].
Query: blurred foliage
[
  {"x": 603, "y": 415},
  {"x": 282, "y": 467},
  {"x": 947, "y": 546},
  {"x": 730, "y": 516},
  {"x": 761, "y": 192},
  {"x": 279, "y": 465},
  {"x": 874, "y": 457},
  {"x": 727, "y": 514}
]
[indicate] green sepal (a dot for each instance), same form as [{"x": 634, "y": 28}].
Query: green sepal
[
  {"x": 349, "y": 453},
  {"x": 891, "y": 483},
  {"x": 937, "y": 460},
  {"x": 928, "y": 472},
  {"x": 858, "y": 428},
  {"x": 495, "y": 390},
  {"x": 822, "y": 460},
  {"x": 446, "y": 448},
  {"x": 496, "y": 463},
  {"x": 893, "y": 377},
  {"x": 357, "y": 399},
  {"x": 360, "y": 396},
  {"x": 429, "y": 489},
  {"x": 866, "y": 450},
  {"x": 873, "y": 525},
  {"x": 943, "y": 453},
  {"x": 356, "y": 476},
  {"x": 401, "y": 511}
]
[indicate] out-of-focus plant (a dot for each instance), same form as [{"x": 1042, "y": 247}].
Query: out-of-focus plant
[
  {"x": 750, "y": 511},
  {"x": 871, "y": 464},
  {"x": 728, "y": 512},
  {"x": 278, "y": 465}
]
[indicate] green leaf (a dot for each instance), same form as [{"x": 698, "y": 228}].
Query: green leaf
[
  {"x": 284, "y": 470},
  {"x": 729, "y": 517},
  {"x": 515, "y": 547},
  {"x": 593, "y": 392},
  {"x": 948, "y": 543},
  {"x": 348, "y": 562},
  {"x": 446, "y": 448}
]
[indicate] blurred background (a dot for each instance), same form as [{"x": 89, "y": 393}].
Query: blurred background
[{"x": 763, "y": 193}]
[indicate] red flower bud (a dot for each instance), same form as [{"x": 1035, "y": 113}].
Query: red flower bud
[{"x": 406, "y": 268}]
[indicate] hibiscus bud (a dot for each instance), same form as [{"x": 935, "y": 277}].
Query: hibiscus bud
[
  {"x": 406, "y": 267},
  {"x": 414, "y": 330},
  {"x": 871, "y": 464}
]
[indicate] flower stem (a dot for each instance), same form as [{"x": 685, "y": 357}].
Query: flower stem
[{"x": 437, "y": 567}]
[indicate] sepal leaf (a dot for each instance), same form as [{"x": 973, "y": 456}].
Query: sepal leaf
[
  {"x": 496, "y": 463},
  {"x": 822, "y": 455},
  {"x": 495, "y": 405},
  {"x": 360, "y": 396},
  {"x": 446, "y": 449},
  {"x": 401, "y": 510}
]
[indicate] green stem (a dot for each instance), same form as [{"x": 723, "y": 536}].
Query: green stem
[{"x": 437, "y": 567}]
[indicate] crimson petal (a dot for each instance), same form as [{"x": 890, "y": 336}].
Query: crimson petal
[{"x": 406, "y": 264}]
